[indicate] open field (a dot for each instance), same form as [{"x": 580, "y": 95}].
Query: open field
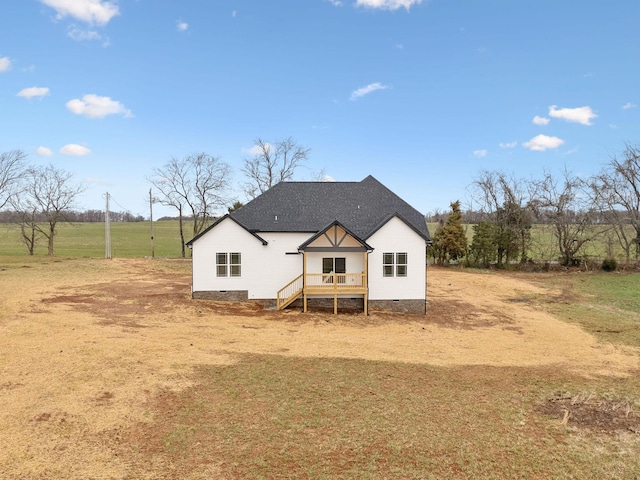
[
  {"x": 133, "y": 240},
  {"x": 110, "y": 371},
  {"x": 128, "y": 240}
]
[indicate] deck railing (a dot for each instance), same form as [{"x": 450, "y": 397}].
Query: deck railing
[
  {"x": 321, "y": 283},
  {"x": 335, "y": 280}
]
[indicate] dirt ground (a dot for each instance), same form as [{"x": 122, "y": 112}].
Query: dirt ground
[{"x": 85, "y": 346}]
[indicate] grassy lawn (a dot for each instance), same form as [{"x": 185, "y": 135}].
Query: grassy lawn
[
  {"x": 279, "y": 417},
  {"x": 604, "y": 304},
  {"x": 128, "y": 240}
]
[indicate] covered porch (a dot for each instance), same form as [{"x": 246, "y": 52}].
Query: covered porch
[{"x": 334, "y": 265}]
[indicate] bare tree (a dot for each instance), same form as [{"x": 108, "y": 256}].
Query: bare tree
[
  {"x": 12, "y": 170},
  {"x": 616, "y": 191},
  {"x": 198, "y": 183},
  {"x": 506, "y": 203},
  {"x": 567, "y": 205},
  {"x": 273, "y": 163},
  {"x": 48, "y": 194},
  {"x": 30, "y": 232}
]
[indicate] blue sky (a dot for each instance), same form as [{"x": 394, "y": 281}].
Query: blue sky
[{"x": 423, "y": 95}]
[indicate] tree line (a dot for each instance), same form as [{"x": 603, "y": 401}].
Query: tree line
[
  {"x": 74, "y": 216},
  {"x": 604, "y": 207},
  {"x": 197, "y": 186}
]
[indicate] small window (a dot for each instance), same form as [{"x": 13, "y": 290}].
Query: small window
[
  {"x": 221, "y": 264},
  {"x": 394, "y": 264},
  {"x": 387, "y": 264},
  {"x": 235, "y": 264},
  {"x": 327, "y": 265},
  {"x": 228, "y": 264},
  {"x": 401, "y": 264}
]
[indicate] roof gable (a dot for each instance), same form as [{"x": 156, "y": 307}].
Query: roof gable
[
  {"x": 334, "y": 236},
  {"x": 219, "y": 221},
  {"x": 361, "y": 207}
]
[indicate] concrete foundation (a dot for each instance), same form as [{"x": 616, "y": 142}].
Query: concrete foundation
[
  {"x": 225, "y": 295},
  {"x": 400, "y": 306},
  {"x": 418, "y": 306}
]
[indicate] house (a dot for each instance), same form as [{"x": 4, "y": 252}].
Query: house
[{"x": 317, "y": 243}]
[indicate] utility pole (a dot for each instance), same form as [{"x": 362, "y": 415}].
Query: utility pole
[
  {"x": 153, "y": 248},
  {"x": 107, "y": 231}
]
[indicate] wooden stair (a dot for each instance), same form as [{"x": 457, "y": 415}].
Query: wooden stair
[{"x": 289, "y": 293}]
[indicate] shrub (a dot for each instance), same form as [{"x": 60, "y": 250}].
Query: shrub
[{"x": 609, "y": 264}]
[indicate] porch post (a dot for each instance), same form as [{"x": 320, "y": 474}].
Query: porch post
[
  {"x": 365, "y": 281},
  {"x": 304, "y": 281},
  {"x": 335, "y": 291}
]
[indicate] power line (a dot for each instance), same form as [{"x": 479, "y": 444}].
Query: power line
[
  {"x": 107, "y": 231},
  {"x": 126, "y": 210}
]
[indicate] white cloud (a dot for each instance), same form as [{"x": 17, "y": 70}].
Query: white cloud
[
  {"x": 80, "y": 35},
  {"x": 90, "y": 11},
  {"x": 480, "y": 153},
  {"x": 372, "y": 87},
  {"x": 257, "y": 150},
  {"x": 33, "y": 92},
  {"x": 182, "y": 26},
  {"x": 629, "y": 105},
  {"x": 327, "y": 178},
  {"x": 5, "y": 64},
  {"x": 336, "y": 3},
  {"x": 75, "y": 150},
  {"x": 95, "y": 181},
  {"x": 540, "y": 120},
  {"x": 44, "y": 151},
  {"x": 509, "y": 145},
  {"x": 541, "y": 143},
  {"x": 94, "y": 106},
  {"x": 582, "y": 115},
  {"x": 388, "y": 4}
]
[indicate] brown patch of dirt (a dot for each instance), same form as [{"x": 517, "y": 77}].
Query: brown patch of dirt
[
  {"x": 451, "y": 313},
  {"x": 597, "y": 414}
]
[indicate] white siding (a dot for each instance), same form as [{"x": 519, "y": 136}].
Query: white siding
[
  {"x": 395, "y": 236},
  {"x": 265, "y": 268},
  {"x": 354, "y": 261}
]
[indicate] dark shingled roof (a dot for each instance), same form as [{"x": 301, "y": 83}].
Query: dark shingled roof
[{"x": 363, "y": 207}]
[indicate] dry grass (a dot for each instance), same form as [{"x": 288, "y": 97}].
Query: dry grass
[{"x": 109, "y": 370}]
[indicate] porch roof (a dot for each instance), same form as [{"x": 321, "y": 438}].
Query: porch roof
[{"x": 335, "y": 244}]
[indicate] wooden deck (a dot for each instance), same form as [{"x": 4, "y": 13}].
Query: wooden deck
[{"x": 323, "y": 284}]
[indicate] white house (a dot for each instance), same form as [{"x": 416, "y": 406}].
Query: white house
[{"x": 336, "y": 243}]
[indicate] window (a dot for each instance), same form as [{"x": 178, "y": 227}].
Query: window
[
  {"x": 228, "y": 264},
  {"x": 334, "y": 265},
  {"x": 394, "y": 264},
  {"x": 401, "y": 264}
]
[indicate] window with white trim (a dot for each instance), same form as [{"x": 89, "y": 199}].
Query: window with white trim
[
  {"x": 228, "y": 264},
  {"x": 394, "y": 264}
]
